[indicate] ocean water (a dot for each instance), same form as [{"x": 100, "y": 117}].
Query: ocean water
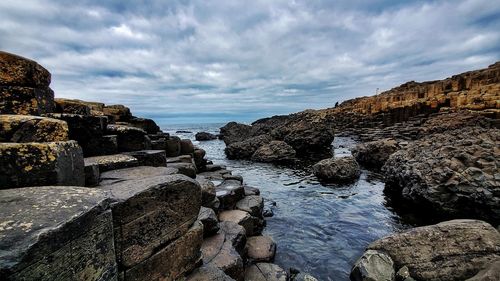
[{"x": 319, "y": 229}]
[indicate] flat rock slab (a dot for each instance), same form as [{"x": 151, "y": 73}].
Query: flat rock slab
[
  {"x": 188, "y": 169},
  {"x": 36, "y": 164},
  {"x": 229, "y": 193},
  {"x": 112, "y": 162},
  {"x": 220, "y": 253},
  {"x": 251, "y": 224},
  {"x": 134, "y": 173},
  {"x": 18, "y": 71},
  {"x": 209, "y": 220},
  {"x": 26, "y": 100},
  {"x": 208, "y": 273},
  {"x": 252, "y": 204},
  {"x": 129, "y": 138},
  {"x": 180, "y": 159},
  {"x": 155, "y": 158},
  {"x": 25, "y": 128},
  {"x": 260, "y": 248},
  {"x": 265, "y": 272},
  {"x": 56, "y": 233},
  {"x": 71, "y": 106}
]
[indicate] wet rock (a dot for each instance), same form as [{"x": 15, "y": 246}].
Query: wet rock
[
  {"x": 18, "y": 71},
  {"x": 229, "y": 193},
  {"x": 173, "y": 148},
  {"x": 155, "y": 158},
  {"x": 187, "y": 146},
  {"x": 188, "y": 169},
  {"x": 35, "y": 164},
  {"x": 275, "y": 151},
  {"x": 374, "y": 154},
  {"x": 265, "y": 272},
  {"x": 207, "y": 192},
  {"x": 24, "y": 128},
  {"x": 236, "y": 234},
  {"x": 92, "y": 174},
  {"x": 199, "y": 159},
  {"x": 490, "y": 273},
  {"x": 220, "y": 253},
  {"x": 56, "y": 233},
  {"x": 342, "y": 169},
  {"x": 373, "y": 265},
  {"x": 204, "y": 136},
  {"x": 209, "y": 220},
  {"x": 245, "y": 149},
  {"x": 252, "y": 204},
  {"x": 117, "y": 112},
  {"x": 251, "y": 224},
  {"x": 112, "y": 162},
  {"x": 452, "y": 250},
  {"x": 208, "y": 273},
  {"x": 234, "y": 132},
  {"x": 250, "y": 190},
  {"x": 130, "y": 138},
  {"x": 26, "y": 100},
  {"x": 71, "y": 107},
  {"x": 260, "y": 248},
  {"x": 454, "y": 174},
  {"x": 134, "y": 173},
  {"x": 304, "y": 277}
]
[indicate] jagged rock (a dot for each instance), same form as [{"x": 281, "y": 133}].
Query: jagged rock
[
  {"x": 245, "y": 149},
  {"x": 92, "y": 174},
  {"x": 452, "y": 250},
  {"x": 56, "y": 233},
  {"x": 134, "y": 173},
  {"x": 219, "y": 252},
  {"x": 209, "y": 220},
  {"x": 155, "y": 158},
  {"x": 173, "y": 148},
  {"x": 229, "y": 192},
  {"x": 117, "y": 112},
  {"x": 260, "y": 248},
  {"x": 187, "y": 146},
  {"x": 188, "y": 169},
  {"x": 265, "y": 272},
  {"x": 208, "y": 273},
  {"x": 71, "y": 107},
  {"x": 236, "y": 234},
  {"x": 251, "y": 224},
  {"x": 374, "y": 154},
  {"x": 490, "y": 273},
  {"x": 275, "y": 151},
  {"x": 373, "y": 265},
  {"x": 234, "y": 132},
  {"x": 337, "y": 169},
  {"x": 18, "y": 71},
  {"x": 130, "y": 138},
  {"x": 26, "y": 100},
  {"x": 252, "y": 204},
  {"x": 148, "y": 125},
  {"x": 35, "y": 164},
  {"x": 204, "y": 136},
  {"x": 112, "y": 162},
  {"x": 454, "y": 174},
  {"x": 24, "y": 128}
]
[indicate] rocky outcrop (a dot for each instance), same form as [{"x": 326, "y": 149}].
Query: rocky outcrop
[
  {"x": 235, "y": 132},
  {"x": 130, "y": 138},
  {"x": 342, "y": 169},
  {"x": 245, "y": 149},
  {"x": 275, "y": 151}
]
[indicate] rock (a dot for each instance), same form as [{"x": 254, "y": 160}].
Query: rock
[
  {"x": 134, "y": 173},
  {"x": 234, "y": 132},
  {"x": 220, "y": 253},
  {"x": 208, "y": 273},
  {"x": 35, "y": 164},
  {"x": 229, "y": 176},
  {"x": 251, "y": 224},
  {"x": 490, "y": 273},
  {"x": 209, "y": 220},
  {"x": 275, "y": 151},
  {"x": 112, "y": 162},
  {"x": 155, "y": 158},
  {"x": 342, "y": 169},
  {"x": 207, "y": 192},
  {"x": 117, "y": 112},
  {"x": 250, "y": 190},
  {"x": 229, "y": 192},
  {"x": 304, "y": 277},
  {"x": 236, "y": 234},
  {"x": 454, "y": 174},
  {"x": 173, "y": 148},
  {"x": 213, "y": 167},
  {"x": 148, "y": 125},
  {"x": 245, "y": 149},
  {"x": 105, "y": 145},
  {"x": 180, "y": 159},
  {"x": 373, "y": 265},
  {"x": 452, "y": 250},
  {"x": 252, "y": 204},
  {"x": 92, "y": 174},
  {"x": 187, "y": 147},
  {"x": 183, "y": 132},
  {"x": 403, "y": 274},
  {"x": 260, "y": 248},
  {"x": 18, "y": 71},
  {"x": 71, "y": 107},
  {"x": 160, "y": 144},
  {"x": 56, "y": 233},
  {"x": 199, "y": 159},
  {"x": 265, "y": 272},
  {"x": 188, "y": 169},
  {"x": 130, "y": 138},
  {"x": 374, "y": 154},
  {"x": 26, "y": 100},
  {"x": 204, "y": 136},
  {"x": 24, "y": 128}
]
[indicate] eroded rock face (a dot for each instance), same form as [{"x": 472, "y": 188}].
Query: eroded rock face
[
  {"x": 71, "y": 107},
  {"x": 275, "y": 151},
  {"x": 455, "y": 174},
  {"x": 452, "y": 250},
  {"x": 25, "y": 128},
  {"x": 374, "y": 154},
  {"x": 337, "y": 169},
  {"x": 245, "y": 149}
]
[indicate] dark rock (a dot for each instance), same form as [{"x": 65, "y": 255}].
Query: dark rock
[
  {"x": 199, "y": 159},
  {"x": 275, "y": 151},
  {"x": 35, "y": 164},
  {"x": 207, "y": 192},
  {"x": 188, "y": 169},
  {"x": 234, "y": 132},
  {"x": 374, "y": 154},
  {"x": 134, "y": 173},
  {"x": 160, "y": 144},
  {"x": 148, "y": 125},
  {"x": 183, "y": 132},
  {"x": 130, "y": 138},
  {"x": 204, "y": 136},
  {"x": 105, "y": 145},
  {"x": 245, "y": 149},
  {"x": 213, "y": 167},
  {"x": 159, "y": 136},
  {"x": 155, "y": 158},
  {"x": 208, "y": 273},
  {"x": 92, "y": 174},
  {"x": 236, "y": 234},
  {"x": 250, "y": 190},
  {"x": 265, "y": 272},
  {"x": 18, "y": 71},
  {"x": 209, "y": 220},
  {"x": 490, "y": 273},
  {"x": 260, "y": 248},
  {"x": 251, "y": 224},
  {"x": 252, "y": 204},
  {"x": 71, "y": 107},
  {"x": 342, "y": 169},
  {"x": 229, "y": 192},
  {"x": 187, "y": 147},
  {"x": 173, "y": 148},
  {"x": 219, "y": 252},
  {"x": 26, "y": 100},
  {"x": 112, "y": 162},
  {"x": 373, "y": 265},
  {"x": 24, "y": 128},
  {"x": 117, "y": 112}
]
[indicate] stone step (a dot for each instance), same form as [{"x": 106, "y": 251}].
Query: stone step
[
  {"x": 26, "y": 128},
  {"x": 155, "y": 158},
  {"x": 252, "y": 225},
  {"x": 129, "y": 138},
  {"x": 112, "y": 162},
  {"x": 135, "y": 173},
  {"x": 260, "y": 249},
  {"x": 265, "y": 272}
]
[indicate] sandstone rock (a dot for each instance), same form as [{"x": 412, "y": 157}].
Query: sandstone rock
[
  {"x": 173, "y": 148},
  {"x": 71, "y": 107},
  {"x": 275, "y": 151},
  {"x": 56, "y": 233},
  {"x": 24, "y": 128},
  {"x": 374, "y": 154},
  {"x": 251, "y": 224},
  {"x": 155, "y": 158},
  {"x": 220, "y": 253},
  {"x": 245, "y": 149},
  {"x": 18, "y": 71},
  {"x": 252, "y": 204},
  {"x": 490, "y": 273},
  {"x": 234, "y": 132},
  {"x": 209, "y": 220},
  {"x": 452, "y": 250},
  {"x": 260, "y": 248},
  {"x": 187, "y": 146},
  {"x": 35, "y": 164},
  {"x": 112, "y": 162},
  {"x": 130, "y": 138},
  {"x": 337, "y": 169},
  {"x": 134, "y": 173},
  {"x": 26, "y": 100},
  {"x": 204, "y": 136},
  {"x": 92, "y": 174},
  {"x": 208, "y": 273},
  {"x": 117, "y": 112},
  {"x": 265, "y": 272},
  {"x": 373, "y": 265}
]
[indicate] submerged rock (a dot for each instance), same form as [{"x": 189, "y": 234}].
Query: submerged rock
[
  {"x": 337, "y": 169},
  {"x": 275, "y": 151}
]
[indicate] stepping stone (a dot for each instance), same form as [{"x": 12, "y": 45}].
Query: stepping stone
[
  {"x": 112, "y": 162},
  {"x": 265, "y": 272},
  {"x": 25, "y": 128},
  {"x": 129, "y": 138},
  {"x": 229, "y": 192},
  {"x": 134, "y": 173},
  {"x": 208, "y": 273},
  {"x": 251, "y": 224},
  {"x": 219, "y": 252},
  {"x": 36, "y": 164},
  {"x": 252, "y": 204},
  {"x": 260, "y": 248},
  {"x": 209, "y": 220},
  {"x": 173, "y": 146},
  {"x": 155, "y": 158},
  {"x": 236, "y": 234}
]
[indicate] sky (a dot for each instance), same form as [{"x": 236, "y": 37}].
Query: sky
[{"x": 190, "y": 61}]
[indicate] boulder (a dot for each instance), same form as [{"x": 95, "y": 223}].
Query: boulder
[
  {"x": 454, "y": 174},
  {"x": 199, "y": 159},
  {"x": 56, "y": 233},
  {"x": 155, "y": 158},
  {"x": 234, "y": 132},
  {"x": 134, "y": 173},
  {"x": 187, "y": 147},
  {"x": 130, "y": 138},
  {"x": 342, "y": 169},
  {"x": 265, "y": 272},
  {"x": 209, "y": 220},
  {"x": 204, "y": 136},
  {"x": 117, "y": 112},
  {"x": 71, "y": 107},
  {"x": 245, "y": 149},
  {"x": 260, "y": 249},
  {"x": 373, "y": 265},
  {"x": 188, "y": 169},
  {"x": 173, "y": 146},
  {"x": 451, "y": 250},
  {"x": 306, "y": 136},
  {"x": 112, "y": 162},
  {"x": 275, "y": 151},
  {"x": 252, "y": 204},
  {"x": 250, "y": 190},
  {"x": 25, "y": 128},
  {"x": 35, "y": 164},
  {"x": 18, "y": 71},
  {"x": 208, "y": 272},
  {"x": 26, "y": 100},
  {"x": 229, "y": 193},
  {"x": 374, "y": 154}
]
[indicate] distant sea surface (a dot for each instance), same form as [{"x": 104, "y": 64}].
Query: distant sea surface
[{"x": 319, "y": 229}]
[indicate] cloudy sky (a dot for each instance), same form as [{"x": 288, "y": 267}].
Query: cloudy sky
[{"x": 201, "y": 60}]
